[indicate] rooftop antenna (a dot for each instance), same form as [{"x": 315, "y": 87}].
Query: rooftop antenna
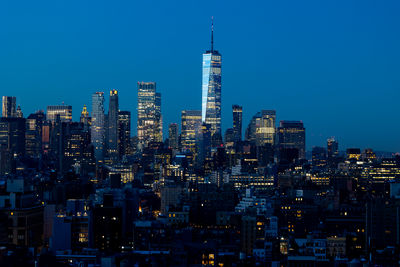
[{"x": 212, "y": 34}]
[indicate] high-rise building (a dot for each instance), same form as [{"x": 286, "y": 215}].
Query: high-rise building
[
  {"x": 19, "y": 113},
  {"x": 159, "y": 124},
  {"x": 333, "y": 148},
  {"x": 64, "y": 111},
  {"x": 292, "y": 140},
  {"x": 211, "y": 88},
  {"x": 261, "y": 129},
  {"x": 12, "y": 135},
  {"x": 33, "y": 135},
  {"x": 173, "y": 134},
  {"x": 237, "y": 122},
  {"x": 191, "y": 127},
  {"x": 124, "y": 132},
  {"x": 75, "y": 141},
  {"x": 98, "y": 129},
  {"x": 112, "y": 144},
  {"x": 85, "y": 118},
  {"x": 8, "y": 106},
  {"x": 149, "y": 124}
]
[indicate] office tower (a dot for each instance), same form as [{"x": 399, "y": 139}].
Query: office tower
[
  {"x": 97, "y": 129},
  {"x": 319, "y": 157},
  {"x": 191, "y": 126},
  {"x": 33, "y": 135},
  {"x": 75, "y": 152},
  {"x": 149, "y": 124},
  {"x": 159, "y": 126},
  {"x": 112, "y": 145},
  {"x": 292, "y": 140},
  {"x": 8, "y": 106},
  {"x": 124, "y": 133},
  {"x": 12, "y": 135},
  {"x": 19, "y": 113},
  {"x": 333, "y": 148},
  {"x": 237, "y": 122},
  {"x": 85, "y": 118},
  {"x": 261, "y": 129},
  {"x": 211, "y": 88},
  {"x": 63, "y": 111},
  {"x": 173, "y": 134}
]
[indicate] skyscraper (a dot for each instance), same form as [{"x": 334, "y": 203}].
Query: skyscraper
[
  {"x": 112, "y": 144},
  {"x": 333, "y": 148},
  {"x": 19, "y": 113},
  {"x": 173, "y": 135},
  {"x": 33, "y": 134},
  {"x": 292, "y": 140},
  {"x": 261, "y": 129},
  {"x": 64, "y": 111},
  {"x": 211, "y": 88},
  {"x": 191, "y": 127},
  {"x": 8, "y": 106},
  {"x": 12, "y": 135},
  {"x": 85, "y": 119},
  {"x": 159, "y": 125},
  {"x": 149, "y": 125},
  {"x": 237, "y": 122},
  {"x": 124, "y": 132},
  {"x": 98, "y": 130}
]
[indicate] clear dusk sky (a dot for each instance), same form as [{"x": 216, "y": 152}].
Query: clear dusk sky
[{"x": 335, "y": 65}]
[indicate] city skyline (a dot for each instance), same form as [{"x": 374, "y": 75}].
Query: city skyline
[{"x": 331, "y": 99}]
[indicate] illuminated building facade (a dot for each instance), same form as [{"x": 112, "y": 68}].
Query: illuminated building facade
[
  {"x": 98, "y": 126},
  {"x": 112, "y": 144},
  {"x": 211, "y": 88},
  {"x": 261, "y": 129},
  {"x": 292, "y": 140},
  {"x": 8, "y": 106},
  {"x": 85, "y": 118},
  {"x": 124, "y": 132},
  {"x": 149, "y": 125},
  {"x": 353, "y": 153},
  {"x": 191, "y": 126},
  {"x": 237, "y": 123},
  {"x": 64, "y": 111}
]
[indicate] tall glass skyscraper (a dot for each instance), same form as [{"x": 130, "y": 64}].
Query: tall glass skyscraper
[
  {"x": 113, "y": 124},
  {"x": 149, "y": 124},
  {"x": 191, "y": 127},
  {"x": 98, "y": 127},
  {"x": 237, "y": 123},
  {"x": 8, "y": 106},
  {"x": 124, "y": 132},
  {"x": 211, "y": 88}
]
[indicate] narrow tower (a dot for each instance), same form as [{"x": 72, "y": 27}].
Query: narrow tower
[{"x": 211, "y": 88}]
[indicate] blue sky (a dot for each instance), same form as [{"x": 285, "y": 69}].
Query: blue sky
[{"x": 332, "y": 64}]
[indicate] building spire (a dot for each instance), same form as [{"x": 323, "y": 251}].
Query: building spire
[{"x": 212, "y": 34}]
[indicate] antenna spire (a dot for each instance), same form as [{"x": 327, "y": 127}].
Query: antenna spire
[{"x": 212, "y": 34}]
